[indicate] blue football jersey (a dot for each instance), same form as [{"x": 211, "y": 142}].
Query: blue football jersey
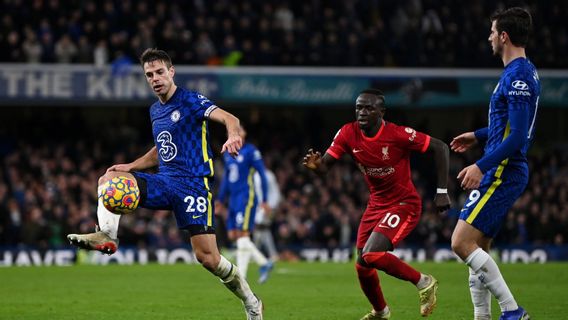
[
  {"x": 518, "y": 87},
  {"x": 181, "y": 136},
  {"x": 239, "y": 172}
]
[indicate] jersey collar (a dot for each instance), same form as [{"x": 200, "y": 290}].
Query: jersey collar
[{"x": 376, "y": 137}]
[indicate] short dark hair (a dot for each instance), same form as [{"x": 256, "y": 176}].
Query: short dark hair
[
  {"x": 517, "y": 22},
  {"x": 377, "y": 93},
  {"x": 153, "y": 54}
]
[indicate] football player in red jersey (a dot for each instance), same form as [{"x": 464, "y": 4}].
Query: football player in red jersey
[{"x": 382, "y": 150}]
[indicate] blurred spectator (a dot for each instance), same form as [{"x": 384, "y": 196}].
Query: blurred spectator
[
  {"x": 65, "y": 50},
  {"x": 31, "y": 47},
  {"x": 376, "y": 33}
]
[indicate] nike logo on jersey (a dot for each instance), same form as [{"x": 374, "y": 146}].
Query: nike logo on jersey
[
  {"x": 197, "y": 217},
  {"x": 357, "y": 150}
]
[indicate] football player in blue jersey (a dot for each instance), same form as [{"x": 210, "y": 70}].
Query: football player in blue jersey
[
  {"x": 500, "y": 176},
  {"x": 183, "y": 155},
  {"x": 238, "y": 184}
]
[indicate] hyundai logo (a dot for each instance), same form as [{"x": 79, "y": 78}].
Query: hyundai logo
[{"x": 520, "y": 85}]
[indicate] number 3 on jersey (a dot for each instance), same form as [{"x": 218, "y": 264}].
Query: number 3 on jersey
[{"x": 168, "y": 149}]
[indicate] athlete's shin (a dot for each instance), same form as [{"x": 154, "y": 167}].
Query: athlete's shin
[
  {"x": 108, "y": 221},
  {"x": 480, "y": 297},
  {"x": 234, "y": 281},
  {"x": 369, "y": 282},
  {"x": 489, "y": 274}
]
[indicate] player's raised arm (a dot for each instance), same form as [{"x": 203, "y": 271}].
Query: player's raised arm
[
  {"x": 315, "y": 162},
  {"x": 442, "y": 159},
  {"x": 148, "y": 160},
  {"x": 234, "y": 141}
]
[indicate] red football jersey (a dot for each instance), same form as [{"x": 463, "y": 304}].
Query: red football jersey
[{"x": 384, "y": 160}]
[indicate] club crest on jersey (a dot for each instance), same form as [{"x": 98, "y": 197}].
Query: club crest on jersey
[
  {"x": 175, "y": 116},
  {"x": 385, "y": 151}
]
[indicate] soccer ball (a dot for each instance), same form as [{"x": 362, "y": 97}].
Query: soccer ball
[{"x": 120, "y": 195}]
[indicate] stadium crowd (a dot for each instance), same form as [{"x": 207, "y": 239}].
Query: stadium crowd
[
  {"x": 47, "y": 189},
  {"x": 410, "y": 33}
]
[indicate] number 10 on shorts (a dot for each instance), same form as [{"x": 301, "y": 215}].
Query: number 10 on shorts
[{"x": 391, "y": 220}]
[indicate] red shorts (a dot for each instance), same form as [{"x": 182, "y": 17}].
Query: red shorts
[{"x": 395, "y": 223}]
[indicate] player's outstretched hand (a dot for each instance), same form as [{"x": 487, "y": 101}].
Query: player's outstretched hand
[
  {"x": 470, "y": 177},
  {"x": 442, "y": 202},
  {"x": 463, "y": 142},
  {"x": 312, "y": 160},
  {"x": 233, "y": 144},
  {"x": 123, "y": 167}
]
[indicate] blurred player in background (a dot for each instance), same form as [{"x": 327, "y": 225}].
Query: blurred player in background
[
  {"x": 263, "y": 234},
  {"x": 382, "y": 151},
  {"x": 184, "y": 158},
  {"x": 501, "y": 175},
  {"x": 238, "y": 185}
]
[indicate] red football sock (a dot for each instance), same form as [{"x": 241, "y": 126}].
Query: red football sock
[
  {"x": 392, "y": 265},
  {"x": 369, "y": 281}
]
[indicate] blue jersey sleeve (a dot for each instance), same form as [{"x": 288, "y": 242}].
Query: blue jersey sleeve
[
  {"x": 481, "y": 134},
  {"x": 201, "y": 106},
  {"x": 519, "y": 102},
  {"x": 258, "y": 165}
]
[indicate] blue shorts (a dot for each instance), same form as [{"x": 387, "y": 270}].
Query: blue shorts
[
  {"x": 487, "y": 206},
  {"x": 242, "y": 211},
  {"x": 188, "y": 198}
]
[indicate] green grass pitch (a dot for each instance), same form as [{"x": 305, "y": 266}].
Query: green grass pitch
[{"x": 294, "y": 291}]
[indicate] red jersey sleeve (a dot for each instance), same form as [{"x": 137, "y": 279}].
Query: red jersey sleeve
[
  {"x": 339, "y": 145},
  {"x": 412, "y": 140}
]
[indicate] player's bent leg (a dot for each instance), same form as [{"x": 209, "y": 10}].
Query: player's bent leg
[
  {"x": 370, "y": 284},
  {"x": 104, "y": 239},
  {"x": 207, "y": 253},
  {"x": 392, "y": 265},
  {"x": 482, "y": 264}
]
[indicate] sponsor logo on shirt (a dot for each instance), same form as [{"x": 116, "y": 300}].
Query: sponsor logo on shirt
[
  {"x": 412, "y": 133},
  {"x": 521, "y": 87},
  {"x": 376, "y": 172},
  {"x": 519, "y": 93}
]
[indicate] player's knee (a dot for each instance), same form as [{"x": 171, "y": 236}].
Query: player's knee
[
  {"x": 460, "y": 247},
  {"x": 373, "y": 258},
  {"x": 208, "y": 260},
  {"x": 361, "y": 262},
  {"x": 363, "y": 270}
]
